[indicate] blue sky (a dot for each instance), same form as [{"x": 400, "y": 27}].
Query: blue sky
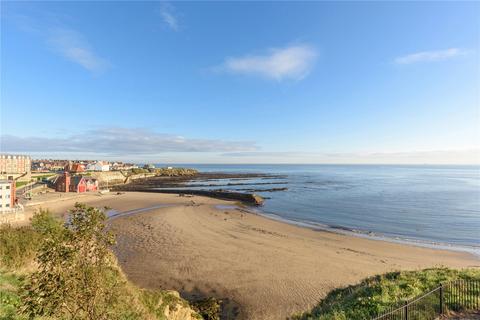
[{"x": 233, "y": 82}]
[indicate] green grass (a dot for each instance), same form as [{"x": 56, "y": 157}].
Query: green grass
[
  {"x": 44, "y": 176},
  {"x": 19, "y": 184},
  {"x": 376, "y": 294},
  {"x": 10, "y": 284}
]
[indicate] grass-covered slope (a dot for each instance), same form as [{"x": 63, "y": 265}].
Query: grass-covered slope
[
  {"x": 135, "y": 303},
  {"x": 10, "y": 284},
  {"x": 376, "y": 294}
]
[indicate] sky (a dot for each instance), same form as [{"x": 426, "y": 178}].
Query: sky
[{"x": 242, "y": 82}]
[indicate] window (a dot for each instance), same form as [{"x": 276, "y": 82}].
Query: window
[
  {"x": 7, "y": 205},
  {"x": 8, "y": 187}
]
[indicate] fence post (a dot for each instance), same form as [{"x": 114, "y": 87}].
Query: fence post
[
  {"x": 406, "y": 310},
  {"x": 441, "y": 298}
]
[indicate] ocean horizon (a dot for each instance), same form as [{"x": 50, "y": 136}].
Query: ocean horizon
[{"x": 427, "y": 205}]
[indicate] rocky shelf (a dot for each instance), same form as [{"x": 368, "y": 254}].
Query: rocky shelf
[{"x": 246, "y": 198}]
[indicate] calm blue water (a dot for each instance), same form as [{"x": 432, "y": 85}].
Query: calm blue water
[{"x": 438, "y": 204}]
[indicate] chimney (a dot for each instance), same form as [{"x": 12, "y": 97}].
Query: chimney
[{"x": 67, "y": 181}]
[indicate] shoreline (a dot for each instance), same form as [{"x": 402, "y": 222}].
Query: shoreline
[
  {"x": 257, "y": 209},
  {"x": 202, "y": 247},
  {"x": 247, "y": 203},
  {"x": 365, "y": 234}
]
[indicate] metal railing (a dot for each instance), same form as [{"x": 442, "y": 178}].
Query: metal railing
[{"x": 453, "y": 296}]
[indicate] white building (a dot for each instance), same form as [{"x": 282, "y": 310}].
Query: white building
[
  {"x": 7, "y": 195},
  {"x": 101, "y": 166}
]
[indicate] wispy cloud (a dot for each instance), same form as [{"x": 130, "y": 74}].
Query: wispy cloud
[
  {"x": 62, "y": 40},
  {"x": 292, "y": 62},
  {"x": 121, "y": 141},
  {"x": 168, "y": 14},
  {"x": 430, "y": 56},
  {"x": 74, "y": 47}
]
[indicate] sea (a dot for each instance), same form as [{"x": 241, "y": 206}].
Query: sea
[{"x": 426, "y": 205}]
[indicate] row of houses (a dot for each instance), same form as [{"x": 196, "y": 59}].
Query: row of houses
[
  {"x": 79, "y": 165},
  {"x": 43, "y": 165}
]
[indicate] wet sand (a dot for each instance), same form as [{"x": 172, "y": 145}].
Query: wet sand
[{"x": 267, "y": 269}]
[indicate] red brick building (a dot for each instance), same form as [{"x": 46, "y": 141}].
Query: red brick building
[{"x": 68, "y": 183}]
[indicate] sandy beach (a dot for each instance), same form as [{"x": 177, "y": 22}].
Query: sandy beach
[{"x": 263, "y": 268}]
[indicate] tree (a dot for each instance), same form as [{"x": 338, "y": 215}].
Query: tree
[{"x": 76, "y": 277}]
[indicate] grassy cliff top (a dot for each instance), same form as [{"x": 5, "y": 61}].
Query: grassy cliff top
[{"x": 376, "y": 294}]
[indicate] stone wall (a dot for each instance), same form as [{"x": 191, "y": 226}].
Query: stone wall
[
  {"x": 12, "y": 217},
  {"x": 112, "y": 178}
]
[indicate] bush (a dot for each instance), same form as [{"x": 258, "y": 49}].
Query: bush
[
  {"x": 78, "y": 276},
  {"x": 208, "y": 308},
  {"x": 44, "y": 224},
  {"x": 17, "y": 246},
  {"x": 74, "y": 267}
]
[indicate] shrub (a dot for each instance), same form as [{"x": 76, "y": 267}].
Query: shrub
[
  {"x": 76, "y": 276},
  {"x": 17, "y": 246},
  {"x": 45, "y": 224},
  {"x": 208, "y": 308}
]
